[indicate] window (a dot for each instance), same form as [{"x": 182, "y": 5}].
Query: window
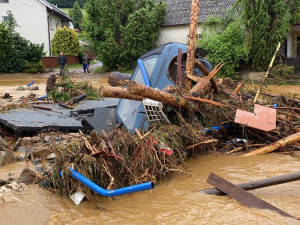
[
  {"x": 4, "y": 1},
  {"x": 5, "y": 18},
  {"x": 57, "y": 23},
  {"x": 198, "y": 36},
  {"x": 51, "y": 24}
]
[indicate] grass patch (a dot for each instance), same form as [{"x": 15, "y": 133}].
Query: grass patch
[{"x": 66, "y": 10}]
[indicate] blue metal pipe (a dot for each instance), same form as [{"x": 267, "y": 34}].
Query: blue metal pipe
[
  {"x": 44, "y": 96},
  {"x": 32, "y": 82},
  {"x": 144, "y": 72},
  {"x": 109, "y": 193}
]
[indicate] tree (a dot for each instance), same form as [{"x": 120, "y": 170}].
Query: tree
[
  {"x": 120, "y": 31},
  {"x": 17, "y": 53},
  {"x": 76, "y": 14},
  {"x": 65, "y": 40},
  {"x": 267, "y": 23},
  {"x": 67, "y": 3}
]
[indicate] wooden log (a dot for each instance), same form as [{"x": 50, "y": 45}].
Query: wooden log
[
  {"x": 201, "y": 143},
  {"x": 135, "y": 88},
  {"x": 76, "y": 99},
  {"x": 201, "y": 67},
  {"x": 192, "y": 42},
  {"x": 238, "y": 88},
  {"x": 118, "y": 79},
  {"x": 117, "y": 92},
  {"x": 42, "y": 107},
  {"x": 199, "y": 86},
  {"x": 272, "y": 147},
  {"x": 259, "y": 183}
]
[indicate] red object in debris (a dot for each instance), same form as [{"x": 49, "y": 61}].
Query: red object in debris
[
  {"x": 162, "y": 147},
  {"x": 263, "y": 118}
]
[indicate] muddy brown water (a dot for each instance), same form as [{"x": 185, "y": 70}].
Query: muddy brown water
[{"x": 175, "y": 201}]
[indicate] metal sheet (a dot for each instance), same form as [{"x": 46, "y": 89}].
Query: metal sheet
[{"x": 241, "y": 195}]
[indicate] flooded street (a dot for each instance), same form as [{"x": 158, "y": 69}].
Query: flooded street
[{"x": 174, "y": 201}]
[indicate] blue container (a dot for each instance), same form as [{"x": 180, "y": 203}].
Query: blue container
[
  {"x": 32, "y": 82},
  {"x": 42, "y": 97}
]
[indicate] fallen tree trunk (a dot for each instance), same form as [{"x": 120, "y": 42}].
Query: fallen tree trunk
[
  {"x": 118, "y": 79},
  {"x": 135, "y": 88},
  {"x": 76, "y": 99},
  {"x": 117, "y": 92},
  {"x": 260, "y": 183},
  {"x": 272, "y": 147}
]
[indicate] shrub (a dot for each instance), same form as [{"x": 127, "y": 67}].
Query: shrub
[
  {"x": 121, "y": 31},
  {"x": 15, "y": 51},
  {"x": 76, "y": 14},
  {"x": 34, "y": 67},
  {"x": 227, "y": 46},
  {"x": 80, "y": 56},
  {"x": 65, "y": 40}
]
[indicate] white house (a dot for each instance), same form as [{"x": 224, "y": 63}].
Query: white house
[
  {"x": 37, "y": 19},
  {"x": 176, "y": 26}
]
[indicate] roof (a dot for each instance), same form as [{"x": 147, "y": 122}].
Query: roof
[
  {"x": 179, "y": 11},
  {"x": 57, "y": 11}
]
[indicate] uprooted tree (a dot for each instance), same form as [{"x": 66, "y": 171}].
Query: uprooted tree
[{"x": 121, "y": 31}]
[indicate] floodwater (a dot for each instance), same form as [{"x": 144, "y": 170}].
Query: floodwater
[{"x": 176, "y": 201}]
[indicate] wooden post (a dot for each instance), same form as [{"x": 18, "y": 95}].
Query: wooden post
[
  {"x": 192, "y": 42},
  {"x": 267, "y": 73}
]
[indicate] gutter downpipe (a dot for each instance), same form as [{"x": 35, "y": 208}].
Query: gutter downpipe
[
  {"x": 49, "y": 39},
  {"x": 109, "y": 193}
]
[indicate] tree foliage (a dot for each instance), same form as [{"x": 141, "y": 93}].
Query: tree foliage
[
  {"x": 227, "y": 45},
  {"x": 268, "y": 23},
  {"x": 67, "y": 3},
  {"x": 16, "y": 53},
  {"x": 65, "y": 40},
  {"x": 120, "y": 31},
  {"x": 76, "y": 14}
]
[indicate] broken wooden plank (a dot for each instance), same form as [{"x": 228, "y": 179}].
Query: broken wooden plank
[
  {"x": 179, "y": 78},
  {"x": 286, "y": 178},
  {"x": 199, "y": 86},
  {"x": 241, "y": 195},
  {"x": 192, "y": 42},
  {"x": 201, "y": 143},
  {"x": 274, "y": 146},
  {"x": 201, "y": 67}
]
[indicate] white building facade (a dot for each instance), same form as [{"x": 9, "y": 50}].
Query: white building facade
[{"x": 37, "y": 20}]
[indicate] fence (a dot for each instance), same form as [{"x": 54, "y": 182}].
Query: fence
[{"x": 49, "y": 62}]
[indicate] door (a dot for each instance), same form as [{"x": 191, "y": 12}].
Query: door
[{"x": 296, "y": 44}]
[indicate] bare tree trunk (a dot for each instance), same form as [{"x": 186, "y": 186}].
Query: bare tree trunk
[
  {"x": 192, "y": 42},
  {"x": 117, "y": 92},
  {"x": 272, "y": 147}
]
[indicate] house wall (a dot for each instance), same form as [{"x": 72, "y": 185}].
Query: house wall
[
  {"x": 31, "y": 16},
  {"x": 175, "y": 34},
  {"x": 289, "y": 40}
]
